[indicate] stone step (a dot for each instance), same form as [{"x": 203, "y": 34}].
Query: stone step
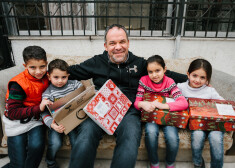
[{"x": 102, "y": 163}]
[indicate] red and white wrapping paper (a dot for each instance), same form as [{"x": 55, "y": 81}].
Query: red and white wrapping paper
[{"x": 108, "y": 107}]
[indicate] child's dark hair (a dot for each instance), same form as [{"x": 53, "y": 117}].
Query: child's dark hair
[
  {"x": 58, "y": 64},
  {"x": 158, "y": 59},
  {"x": 201, "y": 63},
  {"x": 34, "y": 52}
]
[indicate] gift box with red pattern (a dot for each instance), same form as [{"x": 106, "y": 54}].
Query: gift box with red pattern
[
  {"x": 164, "y": 117},
  {"x": 108, "y": 107},
  {"x": 203, "y": 115}
]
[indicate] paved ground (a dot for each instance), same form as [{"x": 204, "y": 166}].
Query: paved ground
[{"x": 63, "y": 163}]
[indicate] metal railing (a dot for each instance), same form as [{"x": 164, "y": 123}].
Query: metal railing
[
  {"x": 149, "y": 18},
  {"x": 212, "y": 18}
]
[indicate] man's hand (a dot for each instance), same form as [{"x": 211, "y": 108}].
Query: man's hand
[
  {"x": 57, "y": 128},
  {"x": 45, "y": 102}
]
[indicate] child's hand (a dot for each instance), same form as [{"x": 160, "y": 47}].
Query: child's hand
[
  {"x": 146, "y": 106},
  {"x": 45, "y": 102},
  {"x": 57, "y": 128},
  {"x": 159, "y": 105}
]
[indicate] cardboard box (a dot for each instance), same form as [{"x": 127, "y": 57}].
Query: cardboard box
[
  {"x": 203, "y": 115},
  {"x": 164, "y": 117},
  {"x": 108, "y": 107},
  {"x": 68, "y": 110}
]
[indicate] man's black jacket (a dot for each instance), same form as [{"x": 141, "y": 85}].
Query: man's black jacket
[{"x": 126, "y": 75}]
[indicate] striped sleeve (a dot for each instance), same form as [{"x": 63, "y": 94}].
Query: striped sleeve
[
  {"x": 139, "y": 95},
  {"x": 16, "y": 109},
  {"x": 47, "y": 118},
  {"x": 77, "y": 84},
  {"x": 180, "y": 101},
  {"x": 47, "y": 94}
]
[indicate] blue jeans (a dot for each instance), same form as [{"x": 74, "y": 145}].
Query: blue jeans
[
  {"x": 216, "y": 147},
  {"x": 55, "y": 141},
  {"x": 26, "y": 150},
  {"x": 171, "y": 139},
  {"x": 127, "y": 134}
]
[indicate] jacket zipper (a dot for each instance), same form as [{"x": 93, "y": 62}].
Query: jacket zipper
[{"x": 119, "y": 73}]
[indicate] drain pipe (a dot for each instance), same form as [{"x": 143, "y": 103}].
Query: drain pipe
[{"x": 181, "y": 12}]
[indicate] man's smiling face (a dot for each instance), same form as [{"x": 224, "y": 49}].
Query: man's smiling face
[{"x": 117, "y": 45}]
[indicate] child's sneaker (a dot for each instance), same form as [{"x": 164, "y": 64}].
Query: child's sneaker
[
  {"x": 171, "y": 166},
  {"x": 52, "y": 166},
  {"x": 154, "y": 166},
  {"x": 202, "y": 166}
]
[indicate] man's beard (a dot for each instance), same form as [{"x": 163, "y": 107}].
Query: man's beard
[{"x": 118, "y": 60}]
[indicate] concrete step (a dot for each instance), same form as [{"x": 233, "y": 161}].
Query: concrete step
[{"x": 102, "y": 163}]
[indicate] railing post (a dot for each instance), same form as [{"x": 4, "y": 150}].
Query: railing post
[
  {"x": 179, "y": 29},
  {"x": 169, "y": 14}
]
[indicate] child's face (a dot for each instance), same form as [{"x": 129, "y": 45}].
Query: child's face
[
  {"x": 197, "y": 78},
  {"x": 36, "y": 68},
  {"x": 156, "y": 72},
  {"x": 58, "y": 78}
]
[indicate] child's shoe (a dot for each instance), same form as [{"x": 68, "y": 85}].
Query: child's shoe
[
  {"x": 171, "y": 166},
  {"x": 52, "y": 166},
  {"x": 154, "y": 166},
  {"x": 202, "y": 166}
]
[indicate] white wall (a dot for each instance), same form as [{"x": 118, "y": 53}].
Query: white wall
[{"x": 220, "y": 52}]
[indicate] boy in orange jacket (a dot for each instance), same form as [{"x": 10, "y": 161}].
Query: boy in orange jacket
[{"x": 24, "y": 104}]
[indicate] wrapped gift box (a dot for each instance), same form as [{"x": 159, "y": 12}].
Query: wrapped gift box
[
  {"x": 203, "y": 115},
  {"x": 108, "y": 107},
  {"x": 164, "y": 117}
]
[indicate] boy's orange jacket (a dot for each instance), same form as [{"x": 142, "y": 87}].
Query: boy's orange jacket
[{"x": 32, "y": 87}]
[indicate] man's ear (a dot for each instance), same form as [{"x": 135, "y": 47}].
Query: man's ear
[
  {"x": 24, "y": 65},
  {"x": 105, "y": 46}
]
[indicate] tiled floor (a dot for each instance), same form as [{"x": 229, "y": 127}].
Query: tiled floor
[{"x": 63, "y": 163}]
